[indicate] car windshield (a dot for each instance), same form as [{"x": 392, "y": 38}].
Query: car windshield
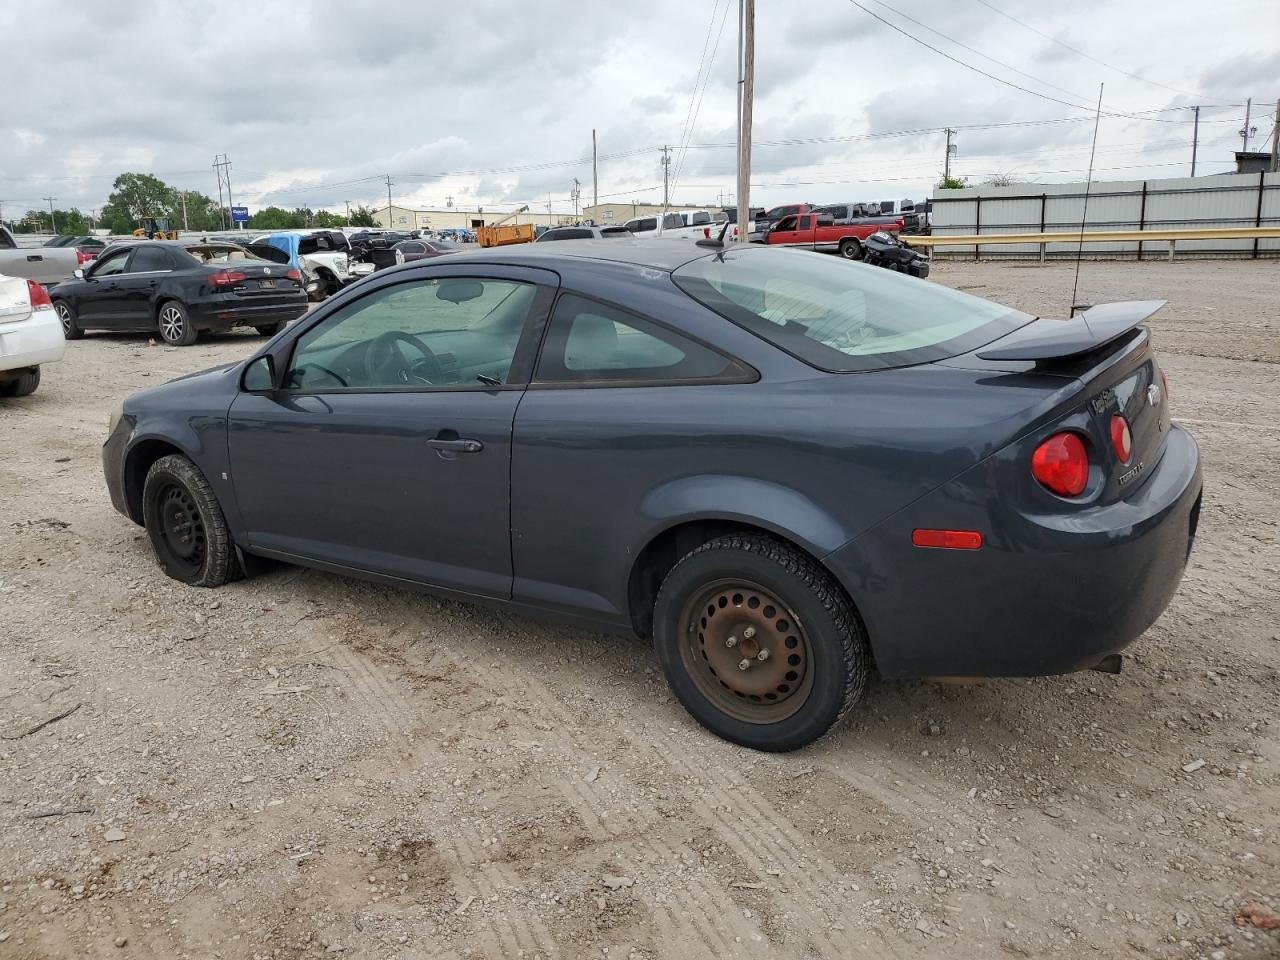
[
  {"x": 213, "y": 254},
  {"x": 842, "y": 316}
]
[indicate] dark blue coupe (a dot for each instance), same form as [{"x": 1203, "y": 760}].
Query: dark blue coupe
[{"x": 783, "y": 468}]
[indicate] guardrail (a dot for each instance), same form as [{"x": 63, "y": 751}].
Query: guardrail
[{"x": 1172, "y": 237}]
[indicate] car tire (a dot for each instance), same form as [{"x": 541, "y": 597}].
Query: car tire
[
  {"x": 270, "y": 329},
  {"x": 185, "y": 525},
  {"x": 71, "y": 329},
  {"x": 23, "y": 386},
  {"x": 749, "y": 599},
  {"x": 175, "y": 325},
  {"x": 851, "y": 249}
]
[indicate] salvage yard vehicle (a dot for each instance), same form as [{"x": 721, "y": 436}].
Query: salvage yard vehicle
[
  {"x": 44, "y": 265},
  {"x": 846, "y": 213},
  {"x": 178, "y": 288},
  {"x": 777, "y": 467},
  {"x": 582, "y": 233},
  {"x": 406, "y": 251},
  {"x": 30, "y": 335},
  {"x": 883, "y": 249},
  {"x": 812, "y": 231},
  {"x": 673, "y": 226},
  {"x": 322, "y": 257}
]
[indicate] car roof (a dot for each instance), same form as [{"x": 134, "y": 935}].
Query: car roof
[{"x": 664, "y": 255}]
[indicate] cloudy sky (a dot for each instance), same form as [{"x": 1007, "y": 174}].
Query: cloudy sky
[{"x": 492, "y": 102}]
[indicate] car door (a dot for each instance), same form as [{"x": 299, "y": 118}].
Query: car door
[
  {"x": 136, "y": 286},
  {"x": 387, "y": 446},
  {"x": 98, "y": 304},
  {"x": 785, "y": 232}
]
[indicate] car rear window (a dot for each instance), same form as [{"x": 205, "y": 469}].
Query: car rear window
[{"x": 841, "y": 316}]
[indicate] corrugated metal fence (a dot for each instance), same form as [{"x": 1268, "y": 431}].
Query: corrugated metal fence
[{"x": 1234, "y": 200}]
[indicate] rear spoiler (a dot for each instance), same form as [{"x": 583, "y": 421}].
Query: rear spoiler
[{"x": 1045, "y": 339}]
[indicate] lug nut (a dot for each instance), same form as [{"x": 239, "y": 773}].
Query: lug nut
[
  {"x": 762, "y": 655},
  {"x": 731, "y": 642},
  {"x": 744, "y": 664},
  {"x": 749, "y": 632}
]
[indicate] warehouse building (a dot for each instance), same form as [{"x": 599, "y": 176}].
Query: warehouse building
[
  {"x": 405, "y": 218},
  {"x": 605, "y": 214}
]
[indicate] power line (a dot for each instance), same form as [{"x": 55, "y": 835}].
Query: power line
[
  {"x": 684, "y": 148},
  {"x": 1045, "y": 83},
  {"x": 1081, "y": 53}
]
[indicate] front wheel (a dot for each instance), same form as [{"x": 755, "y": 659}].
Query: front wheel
[
  {"x": 23, "y": 386},
  {"x": 758, "y": 643},
  {"x": 71, "y": 329},
  {"x": 185, "y": 524},
  {"x": 851, "y": 249},
  {"x": 176, "y": 328},
  {"x": 269, "y": 329}
]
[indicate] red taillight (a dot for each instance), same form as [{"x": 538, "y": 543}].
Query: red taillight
[
  {"x": 294, "y": 275},
  {"x": 39, "y": 296},
  {"x": 1121, "y": 439},
  {"x": 1061, "y": 464},
  {"x": 947, "y": 539},
  {"x": 82, "y": 258},
  {"x": 227, "y": 278}
]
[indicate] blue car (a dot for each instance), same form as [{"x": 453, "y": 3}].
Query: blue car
[{"x": 779, "y": 468}]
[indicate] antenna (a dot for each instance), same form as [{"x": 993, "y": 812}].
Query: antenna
[{"x": 1084, "y": 214}]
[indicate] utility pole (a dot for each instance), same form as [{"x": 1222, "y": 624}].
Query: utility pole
[
  {"x": 577, "y": 192},
  {"x": 182, "y": 195},
  {"x": 348, "y": 203},
  {"x": 222, "y": 169},
  {"x": 388, "y": 201},
  {"x": 946, "y": 162},
  {"x": 1245, "y": 131},
  {"x": 1275, "y": 142},
  {"x": 52, "y": 219},
  {"x": 595, "y": 189},
  {"x": 666, "y": 177},
  {"x": 1195, "y": 140},
  {"x": 222, "y": 211},
  {"x": 746, "y": 91}
]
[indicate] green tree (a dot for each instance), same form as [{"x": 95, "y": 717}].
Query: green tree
[
  {"x": 327, "y": 220},
  {"x": 202, "y": 212},
  {"x": 138, "y": 195},
  {"x": 275, "y": 218},
  {"x": 952, "y": 183},
  {"x": 67, "y": 221},
  {"x": 362, "y": 216}
]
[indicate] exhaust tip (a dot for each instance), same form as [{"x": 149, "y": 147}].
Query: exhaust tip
[{"x": 1111, "y": 663}]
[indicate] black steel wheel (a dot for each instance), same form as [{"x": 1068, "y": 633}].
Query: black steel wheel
[
  {"x": 758, "y": 643},
  {"x": 851, "y": 249},
  {"x": 185, "y": 524},
  {"x": 67, "y": 317},
  {"x": 176, "y": 328}
]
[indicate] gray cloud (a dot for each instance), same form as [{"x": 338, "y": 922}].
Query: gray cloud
[{"x": 307, "y": 98}]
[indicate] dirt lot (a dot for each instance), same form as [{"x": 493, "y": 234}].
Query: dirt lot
[{"x": 299, "y": 765}]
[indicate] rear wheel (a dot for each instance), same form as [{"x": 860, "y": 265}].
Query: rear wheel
[
  {"x": 185, "y": 524},
  {"x": 176, "y": 328},
  {"x": 270, "y": 329},
  {"x": 758, "y": 643},
  {"x": 23, "y": 386},
  {"x": 70, "y": 324},
  {"x": 851, "y": 249}
]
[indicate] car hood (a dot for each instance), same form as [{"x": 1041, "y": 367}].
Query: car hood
[{"x": 220, "y": 378}]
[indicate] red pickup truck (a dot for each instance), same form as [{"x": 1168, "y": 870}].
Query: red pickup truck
[{"x": 809, "y": 231}]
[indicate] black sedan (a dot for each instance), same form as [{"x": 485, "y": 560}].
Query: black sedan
[
  {"x": 177, "y": 289},
  {"x": 406, "y": 251},
  {"x": 781, "y": 468}
]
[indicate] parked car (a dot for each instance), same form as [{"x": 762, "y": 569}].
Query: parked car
[
  {"x": 30, "y": 335},
  {"x": 778, "y": 467},
  {"x": 581, "y": 233},
  {"x": 178, "y": 288},
  {"x": 44, "y": 265},
  {"x": 812, "y": 231},
  {"x": 673, "y": 227},
  {"x": 406, "y": 251},
  {"x": 846, "y": 213},
  {"x": 320, "y": 255}
]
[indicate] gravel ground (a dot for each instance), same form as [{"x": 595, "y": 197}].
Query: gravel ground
[{"x": 299, "y": 765}]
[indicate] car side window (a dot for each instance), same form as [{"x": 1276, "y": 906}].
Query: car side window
[
  {"x": 149, "y": 258},
  {"x": 113, "y": 264},
  {"x": 447, "y": 332},
  {"x": 592, "y": 341}
]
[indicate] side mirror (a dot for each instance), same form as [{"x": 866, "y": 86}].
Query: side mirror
[
  {"x": 78, "y": 273},
  {"x": 259, "y": 376}
]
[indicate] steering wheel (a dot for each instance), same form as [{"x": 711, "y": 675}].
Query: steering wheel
[{"x": 384, "y": 362}]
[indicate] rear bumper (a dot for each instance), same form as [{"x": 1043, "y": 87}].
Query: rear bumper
[
  {"x": 220, "y": 314},
  {"x": 1046, "y": 594},
  {"x": 31, "y": 342}
]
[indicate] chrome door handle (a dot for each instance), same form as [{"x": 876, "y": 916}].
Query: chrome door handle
[{"x": 456, "y": 446}]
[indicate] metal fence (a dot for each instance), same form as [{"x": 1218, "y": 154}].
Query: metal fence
[{"x": 1232, "y": 200}]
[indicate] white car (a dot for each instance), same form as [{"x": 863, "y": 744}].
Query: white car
[{"x": 30, "y": 334}]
